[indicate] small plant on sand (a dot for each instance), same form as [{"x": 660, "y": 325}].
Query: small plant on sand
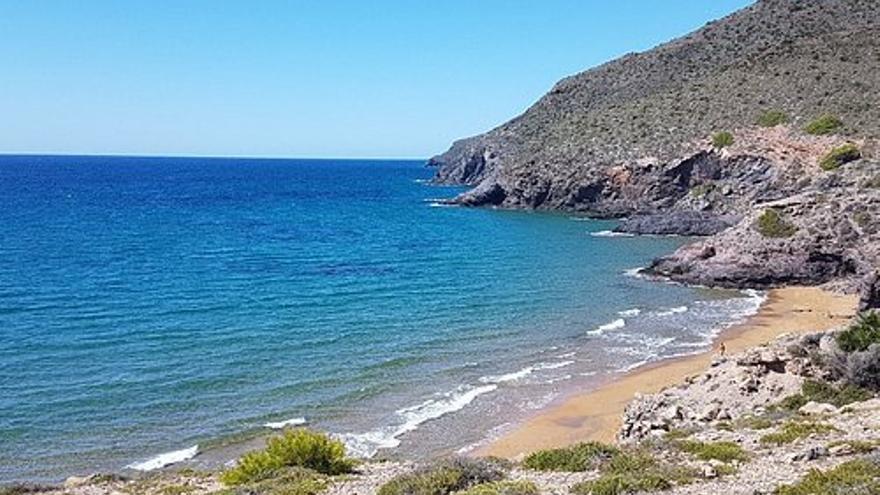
[
  {"x": 840, "y": 156},
  {"x": 719, "y": 451},
  {"x": 861, "y": 477},
  {"x": 722, "y": 139},
  {"x": 771, "y": 224},
  {"x": 632, "y": 472},
  {"x": 825, "y": 124},
  {"x": 862, "y": 334},
  {"x": 772, "y": 118},
  {"x": 294, "y": 448},
  {"x": 504, "y": 488},
  {"x": 796, "y": 430},
  {"x": 445, "y": 477},
  {"x": 579, "y": 457}
]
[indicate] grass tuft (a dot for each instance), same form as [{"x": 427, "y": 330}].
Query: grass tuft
[
  {"x": 772, "y": 118},
  {"x": 862, "y": 334},
  {"x": 771, "y": 224},
  {"x": 722, "y": 139},
  {"x": 445, "y": 477},
  {"x": 632, "y": 472},
  {"x": 826, "y": 124},
  {"x": 719, "y": 451},
  {"x": 579, "y": 457},
  {"x": 503, "y": 488},
  {"x": 826, "y": 393},
  {"x": 840, "y": 156},
  {"x": 796, "y": 430},
  {"x": 852, "y": 478}
]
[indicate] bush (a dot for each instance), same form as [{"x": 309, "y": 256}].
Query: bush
[
  {"x": 853, "y": 477},
  {"x": 772, "y": 118},
  {"x": 579, "y": 457},
  {"x": 825, "y": 124},
  {"x": 294, "y": 448},
  {"x": 286, "y": 481},
  {"x": 444, "y": 478},
  {"x": 771, "y": 224},
  {"x": 840, "y": 156},
  {"x": 719, "y": 451},
  {"x": 795, "y": 430},
  {"x": 862, "y": 334},
  {"x": 826, "y": 393},
  {"x": 504, "y": 488},
  {"x": 722, "y": 139},
  {"x": 633, "y": 472}
]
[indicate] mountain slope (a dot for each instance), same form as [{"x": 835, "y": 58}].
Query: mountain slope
[{"x": 803, "y": 57}]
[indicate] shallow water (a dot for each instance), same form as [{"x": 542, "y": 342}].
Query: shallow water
[{"x": 149, "y": 305}]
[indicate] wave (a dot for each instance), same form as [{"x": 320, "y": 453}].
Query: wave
[
  {"x": 442, "y": 204},
  {"x": 672, "y": 311},
  {"x": 614, "y": 325},
  {"x": 611, "y": 233},
  {"x": 630, "y": 312},
  {"x": 367, "y": 444},
  {"x": 166, "y": 459},
  {"x": 635, "y": 272},
  {"x": 279, "y": 425},
  {"x": 567, "y": 355},
  {"x": 528, "y": 370}
]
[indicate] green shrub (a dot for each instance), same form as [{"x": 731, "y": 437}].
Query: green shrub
[
  {"x": 633, "y": 472},
  {"x": 755, "y": 422},
  {"x": 284, "y": 481},
  {"x": 795, "y": 430},
  {"x": 444, "y": 477},
  {"x": 825, "y": 124},
  {"x": 826, "y": 393},
  {"x": 771, "y": 224},
  {"x": 504, "y": 488},
  {"x": 772, "y": 118},
  {"x": 840, "y": 156},
  {"x": 579, "y": 457},
  {"x": 677, "y": 434},
  {"x": 861, "y": 334},
  {"x": 857, "y": 446},
  {"x": 293, "y": 448},
  {"x": 852, "y": 478},
  {"x": 722, "y": 139},
  {"x": 719, "y": 451},
  {"x": 862, "y": 218}
]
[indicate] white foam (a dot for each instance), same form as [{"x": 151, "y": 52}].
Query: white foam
[
  {"x": 566, "y": 355},
  {"x": 635, "y": 272},
  {"x": 165, "y": 459},
  {"x": 367, "y": 444},
  {"x": 508, "y": 377},
  {"x": 279, "y": 425},
  {"x": 672, "y": 311},
  {"x": 553, "y": 366},
  {"x": 633, "y": 366},
  {"x": 557, "y": 379},
  {"x": 611, "y": 233},
  {"x": 438, "y": 204},
  {"x": 614, "y": 325},
  {"x": 630, "y": 312}
]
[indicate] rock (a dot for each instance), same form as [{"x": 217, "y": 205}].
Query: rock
[
  {"x": 710, "y": 412},
  {"x": 709, "y": 471},
  {"x": 869, "y": 292},
  {"x": 810, "y": 454},
  {"x": 685, "y": 222},
  {"x": 868, "y": 405},
  {"x": 817, "y": 409},
  {"x": 841, "y": 450}
]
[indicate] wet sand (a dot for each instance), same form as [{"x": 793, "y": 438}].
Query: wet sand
[{"x": 596, "y": 415}]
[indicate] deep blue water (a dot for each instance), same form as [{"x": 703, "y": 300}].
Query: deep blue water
[{"x": 149, "y": 305}]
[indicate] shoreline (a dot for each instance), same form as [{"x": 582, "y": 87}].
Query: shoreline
[{"x": 597, "y": 414}]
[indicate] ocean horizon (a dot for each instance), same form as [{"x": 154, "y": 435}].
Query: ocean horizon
[{"x": 152, "y": 308}]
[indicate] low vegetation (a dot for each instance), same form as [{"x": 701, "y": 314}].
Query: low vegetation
[
  {"x": 632, "y": 472},
  {"x": 840, "y": 156},
  {"x": 826, "y": 124},
  {"x": 856, "y": 446},
  {"x": 796, "y": 430},
  {"x": 854, "y": 478},
  {"x": 772, "y": 118},
  {"x": 286, "y": 481},
  {"x": 447, "y": 477},
  {"x": 719, "y": 451},
  {"x": 722, "y": 139},
  {"x": 862, "y": 334},
  {"x": 299, "y": 448},
  {"x": 504, "y": 488},
  {"x": 579, "y": 457},
  {"x": 771, "y": 224},
  {"x": 826, "y": 393}
]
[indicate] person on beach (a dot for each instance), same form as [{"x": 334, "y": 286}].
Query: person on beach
[{"x": 723, "y": 349}]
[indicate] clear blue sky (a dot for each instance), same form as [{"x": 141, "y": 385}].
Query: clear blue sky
[{"x": 300, "y": 78}]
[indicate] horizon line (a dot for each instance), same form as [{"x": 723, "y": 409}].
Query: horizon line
[{"x": 249, "y": 157}]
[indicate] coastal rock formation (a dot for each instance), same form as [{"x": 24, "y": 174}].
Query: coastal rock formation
[{"x": 632, "y": 139}]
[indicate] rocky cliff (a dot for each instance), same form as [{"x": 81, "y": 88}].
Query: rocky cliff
[{"x": 633, "y": 139}]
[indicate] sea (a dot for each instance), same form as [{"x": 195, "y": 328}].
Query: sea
[{"x": 153, "y": 309}]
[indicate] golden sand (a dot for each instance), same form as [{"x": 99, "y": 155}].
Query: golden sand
[{"x": 596, "y": 415}]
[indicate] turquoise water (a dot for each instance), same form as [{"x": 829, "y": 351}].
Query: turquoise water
[{"x": 155, "y": 305}]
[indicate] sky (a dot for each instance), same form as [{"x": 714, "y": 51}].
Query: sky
[{"x": 347, "y": 79}]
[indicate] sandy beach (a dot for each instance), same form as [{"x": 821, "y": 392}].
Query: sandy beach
[{"x": 596, "y": 415}]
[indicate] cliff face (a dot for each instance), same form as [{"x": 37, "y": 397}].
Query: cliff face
[
  {"x": 632, "y": 138},
  {"x": 803, "y": 57}
]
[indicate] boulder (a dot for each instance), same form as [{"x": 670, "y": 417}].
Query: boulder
[{"x": 817, "y": 409}]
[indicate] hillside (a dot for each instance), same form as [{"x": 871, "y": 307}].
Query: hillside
[{"x": 633, "y": 138}]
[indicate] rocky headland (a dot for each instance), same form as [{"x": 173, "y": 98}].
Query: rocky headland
[{"x": 758, "y": 130}]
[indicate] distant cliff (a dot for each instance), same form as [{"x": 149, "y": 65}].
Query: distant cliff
[{"x": 634, "y": 138}]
